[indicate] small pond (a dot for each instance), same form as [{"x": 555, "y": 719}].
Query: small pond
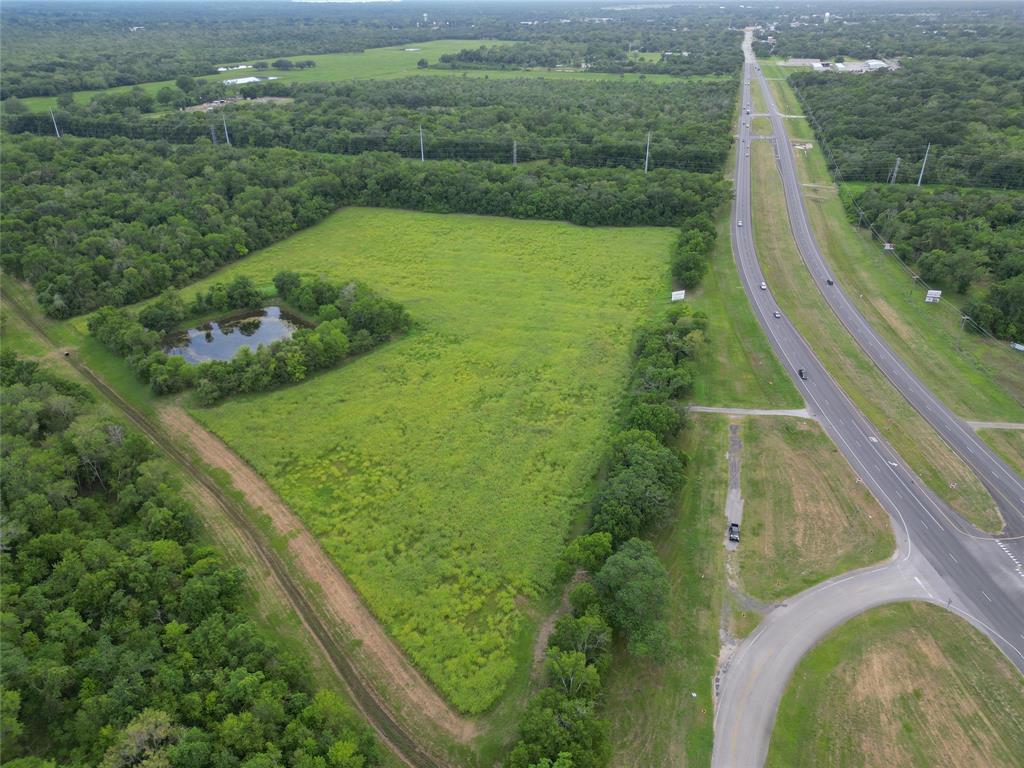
[{"x": 220, "y": 340}]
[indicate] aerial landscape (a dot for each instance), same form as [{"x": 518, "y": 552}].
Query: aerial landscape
[{"x": 511, "y": 384}]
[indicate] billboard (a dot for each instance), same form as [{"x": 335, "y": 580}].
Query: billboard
[
  {"x": 678, "y": 295},
  {"x": 933, "y": 297}
]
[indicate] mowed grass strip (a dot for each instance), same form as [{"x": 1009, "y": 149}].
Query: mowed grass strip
[
  {"x": 443, "y": 471},
  {"x": 912, "y": 437},
  {"x": 906, "y": 684},
  {"x": 1008, "y": 443},
  {"x": 741, "y": 370},
  {"x": 372, "y": 64},
  {"x": 805, "y": 515},
  {"x": 977, "y": 377},
  {"x": 656, "y": 721}
]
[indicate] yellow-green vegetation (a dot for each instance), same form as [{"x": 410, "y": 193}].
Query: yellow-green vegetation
[
  {"x": 373, "y": 63},
  {"x": 1008, "y": 443},
  {"x": 741, "y": 369},
  {"x": 443, "y": 471},
  {"x": 913, "y": 438},
  {"x": 656, "y": 721},
  {"x": 978, "y": 378},
  {"x": 806, "y": 517},
  {"x": 761, "y": 126},
  {"x": 906, "y": 684}
]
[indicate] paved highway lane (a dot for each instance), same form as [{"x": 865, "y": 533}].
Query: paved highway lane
[
  {"x": 1006, "y": 487},
  {"x": 972, "y": 576}
]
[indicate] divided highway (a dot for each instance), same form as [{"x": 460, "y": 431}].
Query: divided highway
[
  {"x": 973, "y": 576},
  {"x": 1006, "y": 487}
]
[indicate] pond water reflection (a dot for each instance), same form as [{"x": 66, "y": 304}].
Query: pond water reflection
[{"x": 220, "y": 340}]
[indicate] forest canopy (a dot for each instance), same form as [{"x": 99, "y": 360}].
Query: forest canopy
[
  {"x": 125, "y": 640},
  {"x": 91, "y": 222}
]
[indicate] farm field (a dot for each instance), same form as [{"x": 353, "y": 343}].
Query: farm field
[
  {"x": 443, "y": 471},
  {"x": 374, "y": 63},
  {"x": 985, "y": 381},
  {"x": 913, "y": 438},
  {"x": 805, "y": 516},
  {"x": 906, "y": 684},
  {"x": 656, "y": 721}
]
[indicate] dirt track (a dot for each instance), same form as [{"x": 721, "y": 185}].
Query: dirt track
[{"x": 340, "y": 599}]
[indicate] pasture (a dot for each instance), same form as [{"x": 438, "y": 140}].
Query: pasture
[{"x": 443, "y": 471}]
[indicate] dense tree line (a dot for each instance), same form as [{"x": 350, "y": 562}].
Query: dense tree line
[
  {"x": 969, "y": 240},
  {"x": 624, "y": 591},
  {"x": 706, "y": 50},
  {"x": 60, "y": 47},
  {"x": 885, "y": 30},
  {"x": 969, "y": 110},
  {"x": 124, "y": 639},
  {"x": 94, "y": 222},
  {"x": 350, "y": 319},
  {"x": 576, "y": 123}
]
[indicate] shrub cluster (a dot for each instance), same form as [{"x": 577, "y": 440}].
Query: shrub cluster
[
  {"x": 351, "y": 319},
  {"x": 124, "y": 637},
  {"x": 623, "y": 585}
]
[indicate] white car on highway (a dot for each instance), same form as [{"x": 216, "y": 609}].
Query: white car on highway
[{"x": 764, "y": 286}]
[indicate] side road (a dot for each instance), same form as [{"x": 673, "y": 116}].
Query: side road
[{"x": 378, "y": 712}]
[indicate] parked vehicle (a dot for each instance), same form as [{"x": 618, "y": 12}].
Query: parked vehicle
[{"x": 734, "y": 532}]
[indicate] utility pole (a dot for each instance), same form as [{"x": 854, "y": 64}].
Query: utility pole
[
  {"x": 647, "y": 153},
  {"x": 55, "y": 128},
  {"x": 924, "y": 163},
  {"x": 213, "y": 134},
  {"x": 515, "y": 152},
  {"x": 895, "y": 171},
  {"x": 227, "y": 138},
  {"x": 423, "y": 157},
  {"x": 963, "y": 319}
]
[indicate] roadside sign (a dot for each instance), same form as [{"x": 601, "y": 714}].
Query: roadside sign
[
  {"x": 678, "y": 295},
  {"x": 933, "y": 297}
]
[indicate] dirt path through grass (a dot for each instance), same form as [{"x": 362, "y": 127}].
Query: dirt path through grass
[{"x": 340, "y": 599}]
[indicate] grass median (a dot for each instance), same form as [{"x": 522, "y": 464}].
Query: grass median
[
  {"x": 906, "y": 684},
  {"x": 978, "y": 378},
  {"x": 913, "y": 438}
]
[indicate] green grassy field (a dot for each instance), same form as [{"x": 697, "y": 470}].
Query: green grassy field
[
  {"x": 918, "y": 444},
  {"x": 443, "y": 471},
  {"x": 741, "y": 370},
  {"x": 656, "y": 721},
  {"x": 983, "y": 380},
  {"x": 805, "y": 516},
  {"x": 374, "y": 63},
  {"x": 906, "y": 684}
]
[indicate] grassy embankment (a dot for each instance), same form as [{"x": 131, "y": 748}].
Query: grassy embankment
[
  {"x": 918, "y": 444},
  {"x": 265, "y": 603},
  {"x": 656, "y": 721},
  {"x": 1008, "y": 443},
  {"x": 374, "y": 63},
  {"x": 906, "y": 684},
  {"x": 805, "y": 516},
  {"x": 444, "y": 471},
  {"x": 983, "y": 380}
]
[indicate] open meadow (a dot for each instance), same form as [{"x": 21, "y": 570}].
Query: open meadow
[{"x": 444, "y": 471}]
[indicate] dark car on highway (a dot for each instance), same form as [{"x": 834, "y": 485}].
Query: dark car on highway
[{"x": 734, "y": 531}]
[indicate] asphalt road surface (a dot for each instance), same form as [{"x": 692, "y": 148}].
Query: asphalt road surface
[{"x": 975, "y": 576}]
